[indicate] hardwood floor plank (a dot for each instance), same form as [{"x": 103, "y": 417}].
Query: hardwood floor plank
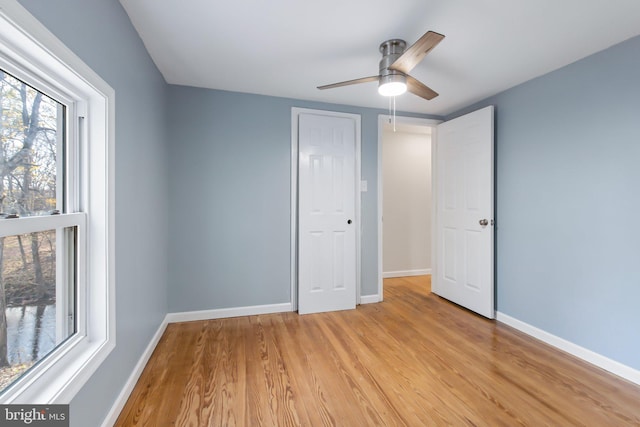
[
  {"x": 412, "y": 360},
  {"x": 328, "y": 374},
  {"x": 276, "y": 377},
  {"x": 363, "y": 386}
]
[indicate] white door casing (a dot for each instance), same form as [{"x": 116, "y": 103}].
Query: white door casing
[
  {"x": 464, "y": 187},
  {"x": 327, "y": 256}
]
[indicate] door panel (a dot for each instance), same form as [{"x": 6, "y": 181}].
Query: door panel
[
  {"x": 464, "y": 192},
  {"x": 326, "y": 213}
]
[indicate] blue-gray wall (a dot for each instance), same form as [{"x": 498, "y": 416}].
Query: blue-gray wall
[
  {"x": 568, "y": 197},
  {"x": 100, "y": 33},
  {"x": 230, "y": 198}
]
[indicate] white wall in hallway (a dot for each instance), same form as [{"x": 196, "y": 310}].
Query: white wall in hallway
[{"x": 406, "y": 163}]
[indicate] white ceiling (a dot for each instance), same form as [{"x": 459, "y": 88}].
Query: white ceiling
[{"x": 288, "y": 47}]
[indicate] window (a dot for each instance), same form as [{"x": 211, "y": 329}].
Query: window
[
  {"x": 38, "y": 268},
  {"x": 57, "y": 316}
]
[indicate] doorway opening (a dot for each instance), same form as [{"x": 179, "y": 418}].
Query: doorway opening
[{"x": 405, "y": 205}]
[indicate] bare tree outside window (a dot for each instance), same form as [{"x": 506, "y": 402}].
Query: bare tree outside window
[{"x": 29, "y": 132}]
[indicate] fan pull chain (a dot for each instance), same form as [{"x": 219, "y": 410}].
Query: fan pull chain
[{"x": 392, "y": 112}]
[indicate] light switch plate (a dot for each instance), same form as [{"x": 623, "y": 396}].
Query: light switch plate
[{"x": 363, "y": 186}]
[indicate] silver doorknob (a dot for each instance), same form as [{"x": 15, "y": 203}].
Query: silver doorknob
[{"x": 484, "y": 222}]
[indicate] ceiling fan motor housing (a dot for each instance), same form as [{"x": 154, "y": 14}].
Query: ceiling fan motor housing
[{"x": 391, "y": 50}]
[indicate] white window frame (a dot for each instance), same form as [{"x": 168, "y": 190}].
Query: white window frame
[{"x": 29, "y": 51}]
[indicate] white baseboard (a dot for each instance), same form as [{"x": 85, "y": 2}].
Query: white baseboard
[
  {"x": 222, "y": 313},
  {"x": 369, "y": 299},
  {"x": 117, "y": 407},
  {"x": 587, "y": 355},
  {"x": 406, "y": 273}
]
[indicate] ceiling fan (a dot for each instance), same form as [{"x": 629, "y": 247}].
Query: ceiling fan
[{"x": 393, "y": 78}]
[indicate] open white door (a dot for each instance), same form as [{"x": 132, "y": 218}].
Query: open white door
[
  {"x": 326, "y": 213},
  {"x": 464, "y": 212}
]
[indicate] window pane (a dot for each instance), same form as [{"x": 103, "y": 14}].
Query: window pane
[
  {"x": 37, "y": 312},
  {"x": 30, "y": 125}
]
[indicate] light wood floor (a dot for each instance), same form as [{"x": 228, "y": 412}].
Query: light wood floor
[{"x": 413, "y": 360}]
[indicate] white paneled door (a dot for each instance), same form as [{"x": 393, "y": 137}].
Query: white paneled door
[
  {"x": 464, "y": 212},
  {"x": 326, "y": 213}
]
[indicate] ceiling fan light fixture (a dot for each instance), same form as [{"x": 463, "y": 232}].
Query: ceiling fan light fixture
[{"x": 392, "y": 85}]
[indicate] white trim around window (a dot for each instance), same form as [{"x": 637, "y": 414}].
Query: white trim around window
[{"x": 30, "y": 50}]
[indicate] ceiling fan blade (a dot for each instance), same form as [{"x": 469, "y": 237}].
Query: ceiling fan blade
[
  {"x": 418, "y": 88},
  {"x": 412, "y": 56},
  {"x": 351, "y": 82}
]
